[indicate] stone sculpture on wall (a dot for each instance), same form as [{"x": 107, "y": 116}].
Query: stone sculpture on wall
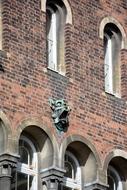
[{"x": 60, "y": 113}]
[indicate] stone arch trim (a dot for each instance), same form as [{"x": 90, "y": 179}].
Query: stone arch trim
[
  {"x": 112, "y": 154},
  {"x": 7, "y": 124},
  {"x": 73, "y": 138},
  {"x": 7, "y": 133},
  {"x": 68, "y": 8},
  {"x": 38, "y": 123},
  {"x": 107, "y": 20}
]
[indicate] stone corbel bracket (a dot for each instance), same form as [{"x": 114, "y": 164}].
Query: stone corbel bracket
[{"x": 96, "y": 186}]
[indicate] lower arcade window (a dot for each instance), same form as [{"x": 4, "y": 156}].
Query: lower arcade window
[
  {"x": 114, "y": 180},
  {"x": 25, "y": 175},
  {"x": 72, "y": 177}
]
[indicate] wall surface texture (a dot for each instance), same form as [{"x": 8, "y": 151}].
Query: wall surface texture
[{"x": 97, "y": 120}]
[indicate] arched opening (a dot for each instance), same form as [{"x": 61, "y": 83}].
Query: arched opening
[
  {"x": 55, "y": 23},
  {"x": 36, "y": 154},
  {"x": 68, "y": 8},
  {"x": 72, "y": 177},
  {"x": 112, "y": 47},
  {"x": 80, "y": 165},
  {"x": 117, "y": 173},
  {"x": 25, "y": 177}
]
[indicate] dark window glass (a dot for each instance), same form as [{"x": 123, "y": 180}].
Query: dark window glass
[
  {"x": 68, "y": 169},
  {"x": 111, "y": 183},
  {"x": 22, "y": 180},
  {"x": 26, "y": 152}
]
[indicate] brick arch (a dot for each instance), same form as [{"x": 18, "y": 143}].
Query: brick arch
[
  {"x": 68, "y": 8},
  {"x": 79, "y": 138},
  {"x": 114, "y": 153},
  {"x": 107, "y": 20},
  {"x": 38, "y": 124}
]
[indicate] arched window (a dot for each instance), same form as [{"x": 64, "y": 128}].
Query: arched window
[
  {"x": 114, "y": 180},
  {"x": 26, "y": 174},
  {"x": 55, "y": 22},
  {"x": 112, "y": 47},
  {"x": 72, "y": 177}
]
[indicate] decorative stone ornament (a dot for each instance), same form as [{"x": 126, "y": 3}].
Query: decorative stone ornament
[{"x": 60, "y": 114}]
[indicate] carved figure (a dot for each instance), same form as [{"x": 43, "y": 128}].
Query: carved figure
[{"x": 60, "y": 113}]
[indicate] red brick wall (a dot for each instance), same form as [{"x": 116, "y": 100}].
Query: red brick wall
[{"x": 26, "y": 86}]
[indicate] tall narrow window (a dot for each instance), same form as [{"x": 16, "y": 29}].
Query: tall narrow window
[
  {"x": 25, "y": 178},
  {"x": 112, "y": 47},
  {"x": 55, "y": 22}
]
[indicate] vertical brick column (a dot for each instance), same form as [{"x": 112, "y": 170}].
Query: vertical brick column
[{"x": 124, "y": 74}]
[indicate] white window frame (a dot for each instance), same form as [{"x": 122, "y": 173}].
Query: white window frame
[
  {"x": 27, "y": 169},
  {"x": 70, "y": 182}
]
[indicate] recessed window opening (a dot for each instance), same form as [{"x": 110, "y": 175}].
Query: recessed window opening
[
  {"x": 112, "y": 47},
  {"x": 114, "y": 180},
  {"x": 55, "y": 22},
  {"x": 51, "y": 38},
  {"x": 72, "y": 178},
  {"x": 26, "y": 175}
]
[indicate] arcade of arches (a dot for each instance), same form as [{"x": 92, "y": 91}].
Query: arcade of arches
[{"x": 33, "y": 160}]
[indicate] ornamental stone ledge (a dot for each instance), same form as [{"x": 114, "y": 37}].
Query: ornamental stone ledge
[
  {"x": 95, "y": 185},
  {"x": 9, "y": 159},
  {"x": 52, "y": 173}
]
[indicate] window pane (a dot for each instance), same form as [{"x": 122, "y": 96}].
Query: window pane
[
  {"x": 48, "y": 21},
  {"x": 22, "y": 181},
  {"x": 26, "y": 152},
  {"x": 68, "y": 169},
  {"x": 111, "y": 183},
  {"x": 31, "y": 183},
  {"x": 13, "y": 180},
  {"x": 23, "y": 155}
]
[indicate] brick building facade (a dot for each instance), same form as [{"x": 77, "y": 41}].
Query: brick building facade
[{"x": 85, "y": 64}]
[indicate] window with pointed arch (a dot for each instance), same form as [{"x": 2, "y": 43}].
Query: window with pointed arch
[
  {"x": 112, "y": 47},
  {"x": 114, "y": 180},
  {"x": 55, "y": 23},
  {"x": 25, "y": 176},
  {"x": 72, "y": 177}
]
